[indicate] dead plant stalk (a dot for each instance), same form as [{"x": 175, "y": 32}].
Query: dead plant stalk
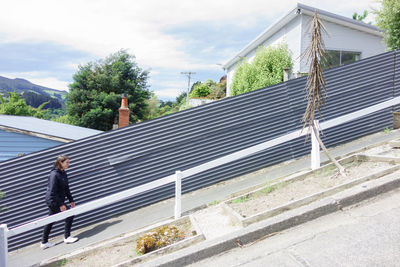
[{"x": 316, "y": 88}]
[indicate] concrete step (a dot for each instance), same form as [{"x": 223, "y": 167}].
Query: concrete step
[
  {"x": 395, "y": 144},
  {"x": 214, "y": 222}
]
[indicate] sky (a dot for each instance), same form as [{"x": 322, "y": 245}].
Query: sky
[{"x": 45, "y": 41}]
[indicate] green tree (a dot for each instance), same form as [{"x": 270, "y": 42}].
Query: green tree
[
  {"x": 34, "y": 99},
  {"x": 193, "y": 86},
  {"x": 218, "y": 90},
  {"x": 166, "y": 103},
  {"x": 63, "y": 119},
  {"x": 158, "y": 108},
  {"x": 265, "y": 70},
  {"x": 243, "y": 78},
  {"x": 202, "y": 89},
  {"x": 209, "y": 89},
  {"x": 153, "y": 107},
  {"x": 53, "y": 113},
  {"x": 15, "y": 105},
  {"x": 359, "y": 17},
  {"x": 388, "y": 19},
  {"x": 181, "y": 98},
  {"x": 94, "y": 96}
]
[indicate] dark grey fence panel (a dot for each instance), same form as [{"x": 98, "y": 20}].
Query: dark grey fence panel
[
  {"x": 396, "y": 78},
  {"x": 349, "y": 88},
  {"x": 116, "y": 160}
]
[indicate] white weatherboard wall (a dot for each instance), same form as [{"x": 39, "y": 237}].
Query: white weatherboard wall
[
  {"x": 288, "y": 34},
  {"x": 342, "y": 38}
]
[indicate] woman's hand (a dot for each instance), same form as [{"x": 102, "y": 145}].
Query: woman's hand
[{"x": 72, "y": 204}]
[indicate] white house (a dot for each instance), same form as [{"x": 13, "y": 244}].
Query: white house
[{"x": 347, "y": 40}]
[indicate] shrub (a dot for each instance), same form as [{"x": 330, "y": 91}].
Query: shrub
[
  {"x": 388, "y": 18},
  {"x": 200, "y": 90},
  {"x": 16, "y": 105},
  {"x": 161, "y": 237},
  {"x": 218, "y": 91},
  {"x": 265, "y": 70}
]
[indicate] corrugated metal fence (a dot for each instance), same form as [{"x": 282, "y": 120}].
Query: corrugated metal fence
[{"x": 116, "y": 160}]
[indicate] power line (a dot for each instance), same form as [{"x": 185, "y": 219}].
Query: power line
[{"x": 188, "y": 74}]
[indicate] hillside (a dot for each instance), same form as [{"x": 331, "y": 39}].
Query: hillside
[{"x": 33, "y": 94}]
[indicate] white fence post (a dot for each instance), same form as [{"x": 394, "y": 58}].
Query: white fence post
[
  {"x": 3, "y": 245},
  {"x": 315, "y": 149},
  {"x": 178, "y": 191}
]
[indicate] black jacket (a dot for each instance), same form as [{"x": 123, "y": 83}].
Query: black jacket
[{"x": 58, "y": 188}]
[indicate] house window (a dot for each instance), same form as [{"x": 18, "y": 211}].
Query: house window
[{"x": 336, "y": 58}]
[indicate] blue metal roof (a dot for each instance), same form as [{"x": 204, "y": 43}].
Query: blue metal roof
[{"x": 45, "y": 127}]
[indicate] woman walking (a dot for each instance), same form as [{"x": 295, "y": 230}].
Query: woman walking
[{"x": 57, "y": 192}]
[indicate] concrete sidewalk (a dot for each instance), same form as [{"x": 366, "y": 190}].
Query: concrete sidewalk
[{"x": 135, "y": 220}]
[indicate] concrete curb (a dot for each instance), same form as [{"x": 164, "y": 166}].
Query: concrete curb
[
  {"x": 189, "y": 241},
  {"x": 260, "y": 230},
  {"x": 245, "y": 221}
]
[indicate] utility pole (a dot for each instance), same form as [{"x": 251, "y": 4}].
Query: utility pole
[{"x": 188, "y": 74}]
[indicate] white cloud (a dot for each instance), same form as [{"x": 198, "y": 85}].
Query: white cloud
[
  {"x": 171, "y": 86},
  {"x": 208, "y": 49},
  {"x": 72, "y": 66},
  {"x": 51, "y": 83},
  {"x": 103, "y": 27},
  {"x": 168, "y": 93}
]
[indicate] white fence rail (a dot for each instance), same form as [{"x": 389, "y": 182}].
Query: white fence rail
[{"x": 5, "y": 233}]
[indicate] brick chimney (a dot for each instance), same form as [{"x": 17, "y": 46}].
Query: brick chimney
[{"x": 123, "y": 112}]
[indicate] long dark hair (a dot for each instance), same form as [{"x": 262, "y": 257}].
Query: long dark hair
[{"x": 60, "y": 159}]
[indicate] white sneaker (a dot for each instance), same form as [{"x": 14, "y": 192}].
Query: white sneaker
[
  {"x": 70, "y": 240},
  {"x": 46, "y": 245}
]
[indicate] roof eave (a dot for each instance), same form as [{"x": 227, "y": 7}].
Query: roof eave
[
  {"x": 347, "y": 22},
  {"x": 35, "y": 134}
]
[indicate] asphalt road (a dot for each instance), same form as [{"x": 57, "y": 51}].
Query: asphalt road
[{"x": 367, "y": 234}]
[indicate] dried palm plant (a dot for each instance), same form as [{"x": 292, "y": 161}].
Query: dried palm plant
[{"x": 316, "y": 88}]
